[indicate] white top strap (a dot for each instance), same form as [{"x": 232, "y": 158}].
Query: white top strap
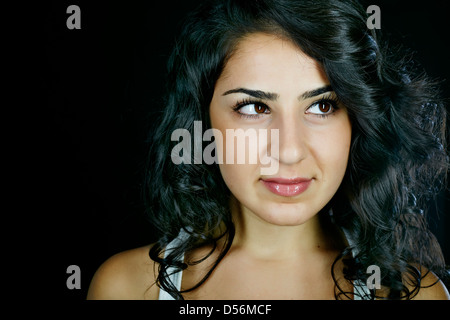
[
  {"x": 360, "y": 290},
  {"x": 175, "y": 276}
]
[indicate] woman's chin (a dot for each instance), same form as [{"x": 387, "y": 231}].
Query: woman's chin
[{"x": 284, "y": 214}]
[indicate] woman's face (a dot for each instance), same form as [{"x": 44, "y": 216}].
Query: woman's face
[{"x": 269, "y": 83}]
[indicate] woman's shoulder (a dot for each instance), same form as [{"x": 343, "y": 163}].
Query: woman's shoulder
[
  {"x": 432, "y": 288},
  {"x": 128, "y": 275}
]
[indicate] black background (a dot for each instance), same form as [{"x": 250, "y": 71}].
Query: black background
[{"x": 100, "y": 88}]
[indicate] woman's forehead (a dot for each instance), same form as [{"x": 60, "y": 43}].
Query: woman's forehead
[{"x": 268, "y": 60}]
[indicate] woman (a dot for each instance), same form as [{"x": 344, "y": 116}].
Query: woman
[{"x": 359, "y": 150}]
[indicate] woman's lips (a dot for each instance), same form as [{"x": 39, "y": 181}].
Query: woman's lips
[{"x": 286, "y": 187}]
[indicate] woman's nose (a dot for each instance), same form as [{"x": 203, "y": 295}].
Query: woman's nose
[{"x": 292, "y": 140}]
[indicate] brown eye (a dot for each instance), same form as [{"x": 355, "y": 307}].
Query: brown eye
[
  {"x": 253, "y": 109},
  {"x": 260, "y": 108},
  {"x": 324, "y": 107}
]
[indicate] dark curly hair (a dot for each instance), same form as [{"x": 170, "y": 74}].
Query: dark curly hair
[{"x": 397, "y": 161}]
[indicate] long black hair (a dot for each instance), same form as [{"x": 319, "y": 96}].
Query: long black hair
[{"x": 397, "y": 160}]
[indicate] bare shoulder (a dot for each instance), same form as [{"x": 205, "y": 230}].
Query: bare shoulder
[
  {"x": 432, "y": 288},
  {"x": 128, "y": 275}
]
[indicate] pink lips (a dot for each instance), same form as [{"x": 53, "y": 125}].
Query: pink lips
[{"x": 287, "y": 187}]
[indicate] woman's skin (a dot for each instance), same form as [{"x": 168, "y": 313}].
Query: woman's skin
[
  {"x": 278, "y": 235},
  {"x": 281, "y": 250},
  {"x": 312, "y": 144}
]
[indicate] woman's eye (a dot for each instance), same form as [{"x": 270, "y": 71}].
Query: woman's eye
[
  {"x": 321, "y": 108},
  {"x": 253, "y": 109}
]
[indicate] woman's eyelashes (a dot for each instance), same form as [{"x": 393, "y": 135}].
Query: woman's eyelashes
[
  {"x": 250, "y": 109},
  {"x": 324, "y": 107}
]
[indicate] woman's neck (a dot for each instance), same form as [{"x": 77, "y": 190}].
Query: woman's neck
[{"x": 264, "y": 240}]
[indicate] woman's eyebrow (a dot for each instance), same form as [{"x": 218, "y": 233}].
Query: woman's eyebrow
[
  {"x": 254, "y": 93},
  {"x": 315, "y": 92},
  {"x": 274, "y": 96}
]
